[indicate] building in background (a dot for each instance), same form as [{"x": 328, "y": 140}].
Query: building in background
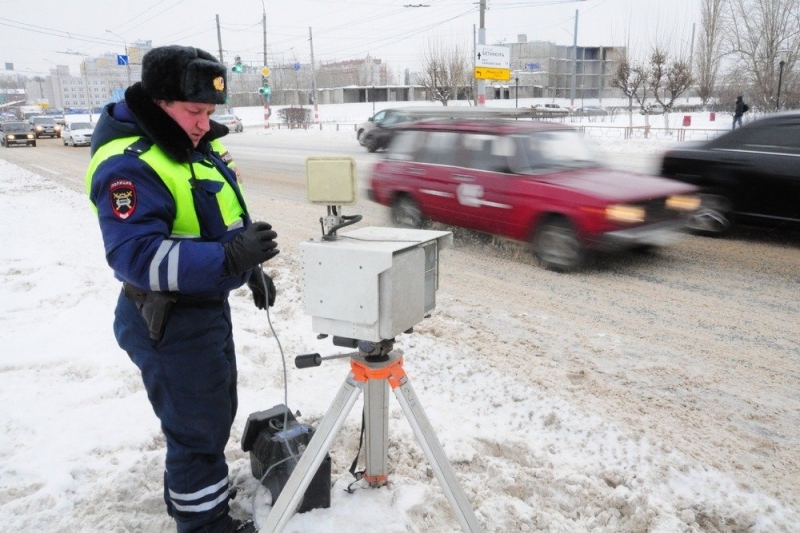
[
  {"x": 101, "y": 80},
  {"x": 540, "y": 69},
  {"x": 545, "y": 69}
]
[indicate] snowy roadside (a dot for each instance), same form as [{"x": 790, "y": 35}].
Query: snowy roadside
[{"x": 81, "y": 450}]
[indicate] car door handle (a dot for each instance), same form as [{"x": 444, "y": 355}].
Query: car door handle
[
  {"x": 463, "y": 177},
  {"x": 416, "y": 171}
]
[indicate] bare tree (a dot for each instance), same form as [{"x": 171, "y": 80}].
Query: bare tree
[
  {"x": 630, "y": 79},
  {"x": 710, "y": 53},
  {"x": 757, "y": 30},
  {"x": 445, "y": 70},
  {"x": 668, "y": 79},
  {"x": 12, "y": 81}
]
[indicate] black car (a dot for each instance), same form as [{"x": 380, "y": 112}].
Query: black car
[
  {"x": 45, "y": 127},
  {"x": 12, "y": 133},
  {"x": 750, "y": 175},
  {"x": 380, "y": 135}
]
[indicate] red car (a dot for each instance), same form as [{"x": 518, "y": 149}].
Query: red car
[{"x": 531, "y": 181}]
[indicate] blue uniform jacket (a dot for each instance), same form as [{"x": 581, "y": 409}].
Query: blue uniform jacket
[{"x": 138, "y": 247}]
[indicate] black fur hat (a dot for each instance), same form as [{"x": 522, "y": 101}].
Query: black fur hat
[{"x": 185, "y": 74}]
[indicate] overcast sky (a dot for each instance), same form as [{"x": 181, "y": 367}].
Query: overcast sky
[{"x": 35, "y": 35}]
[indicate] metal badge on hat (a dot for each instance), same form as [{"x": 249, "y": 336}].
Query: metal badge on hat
[{"x": 219, "y": 83}]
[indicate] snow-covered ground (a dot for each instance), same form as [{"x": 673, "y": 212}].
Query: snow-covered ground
[{"x": 82, "y": 451}]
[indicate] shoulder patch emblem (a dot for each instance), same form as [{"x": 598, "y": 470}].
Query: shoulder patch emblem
[
  {"x": 226, "y": 157},
  {"x": 123, "y": 198}
]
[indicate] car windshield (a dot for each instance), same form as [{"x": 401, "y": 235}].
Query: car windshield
[
  {"x": 558, "y": 149},
  {"x": 223, "y": 118},
  {"x": 43, "y": 120},
  {"x": 15, "y": 127},
  {"x": 81, "y": 126}
]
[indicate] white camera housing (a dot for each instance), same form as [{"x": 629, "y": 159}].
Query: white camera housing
[{"x": 372, "y": 283}]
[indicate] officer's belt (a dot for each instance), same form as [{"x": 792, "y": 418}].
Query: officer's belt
[{"x": 137, "y": 295}]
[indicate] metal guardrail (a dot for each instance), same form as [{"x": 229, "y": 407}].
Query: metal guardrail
[{"x": 678, "y": 134}]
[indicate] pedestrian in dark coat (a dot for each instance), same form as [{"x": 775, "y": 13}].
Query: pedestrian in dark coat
[
  {"x": 739, "y": 111},
  {"x": 178, "y": 235}
]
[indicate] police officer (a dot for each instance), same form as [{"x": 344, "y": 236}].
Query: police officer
[{"x": 178, "y": 234}]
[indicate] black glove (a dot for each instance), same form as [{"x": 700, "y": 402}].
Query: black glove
[
  {"x": 257, "y": 286},
  {"x": 251, "y": 247}
]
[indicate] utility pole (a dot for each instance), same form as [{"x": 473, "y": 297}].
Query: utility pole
[
  {"x": 59, "y": 100},
  {"x": 481, "y": 40},
  {"x": 219, "y": 42},
  {"x": 127, "y": 57},
  {"x": 265, "y": 70},
  {"x": 575, "y": 61},
  {"x": 691, "y": 52},
  {"x": 264, "y": 23},
  {"x": 86, "y": 80},
  {"x": 313, "y": 78}
]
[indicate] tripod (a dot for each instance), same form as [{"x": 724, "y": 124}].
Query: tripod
[{"x": 375, "y": 374}]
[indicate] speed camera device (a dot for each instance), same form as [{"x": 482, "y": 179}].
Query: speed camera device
[
  {"x": 370, "y": 283},
  {"x": 363, "y": 287}
]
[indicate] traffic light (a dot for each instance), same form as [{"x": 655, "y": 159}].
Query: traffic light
[
  {"x": 237, "y": 64},
  {"x": 265, "y": 90}
]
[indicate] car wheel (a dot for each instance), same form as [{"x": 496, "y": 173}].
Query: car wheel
[
  {"x": 713, "y": 217},
  {"x": 371, "y": 144},
  {"x": 33, "y": 144},
  {"x": 360, "y": 137},
  {"x": 557, "y": 247},
  {"x": 406, "y": 212}
]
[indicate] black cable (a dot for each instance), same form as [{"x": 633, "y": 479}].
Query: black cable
[
  {"x": 285, "y": 391},
  {"x": 349, "y": 221}
]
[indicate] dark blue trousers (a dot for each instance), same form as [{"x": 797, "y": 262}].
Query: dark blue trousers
[{"x": 190, "y": 378}]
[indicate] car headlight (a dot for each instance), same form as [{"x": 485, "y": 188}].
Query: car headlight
[
  {"x": 625, "y": 213},
  {"x": 683, "y": 202},
  {"x": 39, "y": 128},
  {"x": 29, "y": 135},
  {"x": 11, "y": 137}
]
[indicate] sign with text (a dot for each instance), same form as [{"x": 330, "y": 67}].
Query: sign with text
[
  {"x": 492, "y": 56},
  {"x": 483, "y": 73}
]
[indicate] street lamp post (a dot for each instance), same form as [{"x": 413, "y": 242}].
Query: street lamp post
[
  {"x": 127, "y": 57},
  {"x": 86, "y": 80},
  {"x": 575, "y": 61},
  {"x": 782, "y": 54},
  {"x": 59, "y": 101}
]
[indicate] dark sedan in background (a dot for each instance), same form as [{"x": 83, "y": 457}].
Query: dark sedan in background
[
  {"x": 16, "y": 133},
  {"x": 381, "y": 134},
  {"x": 750, "y": 175}
]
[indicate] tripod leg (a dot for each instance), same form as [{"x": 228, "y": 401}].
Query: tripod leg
[
  {"x": 376, "y": 418},
  {"x": 435, "y": 454},
  {"x": 303, "y": 473}
]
